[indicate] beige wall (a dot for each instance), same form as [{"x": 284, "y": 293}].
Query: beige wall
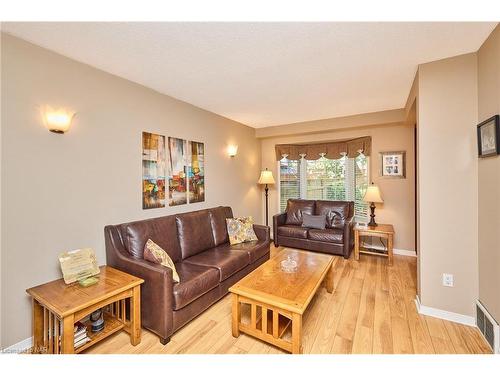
[
  {"x": 398, "y": 194},
  {"x": 393, "y": 116},
  {"x": 59, "y": 191},
  {"x": 489, "y": 178},
  {"x": 447, "y": 162}
]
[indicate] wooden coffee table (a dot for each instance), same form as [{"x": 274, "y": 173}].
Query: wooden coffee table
[{"x": 278, "y": 299}]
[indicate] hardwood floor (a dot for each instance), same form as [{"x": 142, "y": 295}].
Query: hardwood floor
[{"x": 372, "y": 310}]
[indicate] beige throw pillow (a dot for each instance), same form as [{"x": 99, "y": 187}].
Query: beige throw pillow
[
  {"x": 154, "y": 253},
  {"x": 240, "y": 230}
]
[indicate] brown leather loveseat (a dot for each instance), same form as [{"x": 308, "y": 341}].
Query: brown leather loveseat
[
  {"x": 337, "y": 237},
  {"x": 207, "y": 264}
]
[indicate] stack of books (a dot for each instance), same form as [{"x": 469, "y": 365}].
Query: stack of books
[{"x": 81, "y": 337}]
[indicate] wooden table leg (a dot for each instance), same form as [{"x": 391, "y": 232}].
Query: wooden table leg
[
  {"x": 135, "y": 316},
  {"x": 68, "y": 336},
  {"x": 236, "y": 315},
  {"x": 329, "y": 280},
  {"x": 296, "y": 333},
  {"x": 356, "y": 245},
  {"x": 390, "y": 248},
  {"x": 37, "y": 327},
  {"x": 276, "y": 323}
]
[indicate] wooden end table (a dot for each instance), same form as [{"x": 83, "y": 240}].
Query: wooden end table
[
  {"x": 278, "y": 300},
  {"x": 58, "y": 306},
  {"x": 381, "y": 231}
]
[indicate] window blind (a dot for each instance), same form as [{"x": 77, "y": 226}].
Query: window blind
[
  {"x": 289, "y": 181},
  {"x": 361, "y": 182}
]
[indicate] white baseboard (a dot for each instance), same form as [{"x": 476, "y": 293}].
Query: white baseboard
[
  {"x": 443, "y": 314},
  {"x": 406, "y": 253},
  {"x": 19, "y": 347}
]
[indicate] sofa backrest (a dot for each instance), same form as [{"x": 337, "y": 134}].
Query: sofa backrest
[
  {"x": 295, "y": 208},
  {"x": 162, "y": 230},
  {"x": 336, "y": 212},
  {"x": 195, "y": 232},
  {"x": 180, "y": 235},
  {"x": 218, "y": 216}
]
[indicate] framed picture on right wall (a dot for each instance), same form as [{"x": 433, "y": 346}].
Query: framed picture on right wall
[
  {"x": 393, "y": 164},
  {"x": 488, "y": 137}
]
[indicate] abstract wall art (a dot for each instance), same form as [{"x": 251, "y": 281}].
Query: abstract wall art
[
  {"x": 196, "y": 172},
  {"x": 153, "y": 170},
  {"x": 177, "y": 180}
]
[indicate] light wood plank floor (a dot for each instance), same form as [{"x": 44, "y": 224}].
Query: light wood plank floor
[{"x": 372, "y": 310}]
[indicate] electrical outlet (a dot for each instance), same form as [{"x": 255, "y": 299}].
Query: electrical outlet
[{"x": 447, "y": 279}]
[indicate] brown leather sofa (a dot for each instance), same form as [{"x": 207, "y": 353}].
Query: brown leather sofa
[
  {"x": 337, "y": 237},
  {"x": 207, "y": 264}
]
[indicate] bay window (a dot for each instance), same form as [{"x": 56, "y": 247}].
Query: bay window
[{"x": 343, "y": 179}]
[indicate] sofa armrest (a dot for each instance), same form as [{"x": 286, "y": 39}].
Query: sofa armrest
[
  {"x": 157, "y": 289},
  {"x": 348, "y": 236},
  {"x": 278, "y": 219},
  {"x": 263, "y": 232}
]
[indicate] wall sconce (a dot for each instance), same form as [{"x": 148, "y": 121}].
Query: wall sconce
[
  {"x": 232, "y": 150},
  {"x": 57, "y": 121}
]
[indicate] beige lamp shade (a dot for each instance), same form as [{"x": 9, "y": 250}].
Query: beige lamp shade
[
  {"x": 266, "y": 177},
  {"x": 373, "y": 194}
]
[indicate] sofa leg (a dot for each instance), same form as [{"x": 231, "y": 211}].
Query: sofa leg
[{"x": 164, "y": 340}]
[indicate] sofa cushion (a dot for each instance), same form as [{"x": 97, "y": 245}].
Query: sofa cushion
[
  {"x": 313, "y": 221},
  {"x": 228, "y": 262},
  {"x": 218, "y": 218},
  {"x": 327, "y": 235},
  {"x": 292, "y": 231},
  {"x": 240, "y": 230},
  {"x": 155, "y": 254},
  {"x": 336, "y": 212},
  {"x": 195, "y": 232},
  {"x": 162, "y": 230},
  {"x": 295, "y": 208},
  {"x": 195, "y": 281},
  {"x": 254, "y": 249}
]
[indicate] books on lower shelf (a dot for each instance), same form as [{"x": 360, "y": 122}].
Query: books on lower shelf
[{"x": 81, "y": 337}]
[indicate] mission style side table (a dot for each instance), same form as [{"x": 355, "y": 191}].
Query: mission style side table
[
  {"x": 381, "y": 230},
  {"x": 58, "y": 306}
]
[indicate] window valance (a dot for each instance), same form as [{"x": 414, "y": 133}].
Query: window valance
[{"x": 330, "y": 150}]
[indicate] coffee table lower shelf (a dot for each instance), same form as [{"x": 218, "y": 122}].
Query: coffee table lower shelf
[{"x": 267, "y": 323}]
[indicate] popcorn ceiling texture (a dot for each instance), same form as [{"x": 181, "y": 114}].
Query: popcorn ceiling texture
[{"x": 264, "y": 74}]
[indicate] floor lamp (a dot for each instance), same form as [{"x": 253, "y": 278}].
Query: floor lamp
[{"x": 266, "y": 178}]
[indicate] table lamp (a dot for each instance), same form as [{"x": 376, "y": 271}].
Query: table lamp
[
  {"x": 266, "y": 178},
  {"x": 372, "y": 195}
]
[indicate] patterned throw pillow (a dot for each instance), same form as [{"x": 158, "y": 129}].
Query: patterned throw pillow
[
  {"x": 240, "y": 230},
  {"x": 154, "y": 253}
]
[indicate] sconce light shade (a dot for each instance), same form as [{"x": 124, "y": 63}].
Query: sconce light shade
[
  {"x": 57, "y": 121},
  {"x": 232, "y": 150}
]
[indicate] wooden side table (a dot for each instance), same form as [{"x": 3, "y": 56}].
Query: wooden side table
[
  {"x": 382, "y": 231},
  {"x": 58, "y": 306}
]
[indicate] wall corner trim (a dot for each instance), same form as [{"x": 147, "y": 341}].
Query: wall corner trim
[
  {"x": 19, "y": 347},
  {"x": 443, "y": 314}
]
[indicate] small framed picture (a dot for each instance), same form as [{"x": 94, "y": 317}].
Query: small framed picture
[
  {"x": 393, "y": 164},
  {"x": 488, "y": 137}
]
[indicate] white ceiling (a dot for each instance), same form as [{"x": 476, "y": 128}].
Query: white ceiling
[{"x": 264, "y": 74}]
